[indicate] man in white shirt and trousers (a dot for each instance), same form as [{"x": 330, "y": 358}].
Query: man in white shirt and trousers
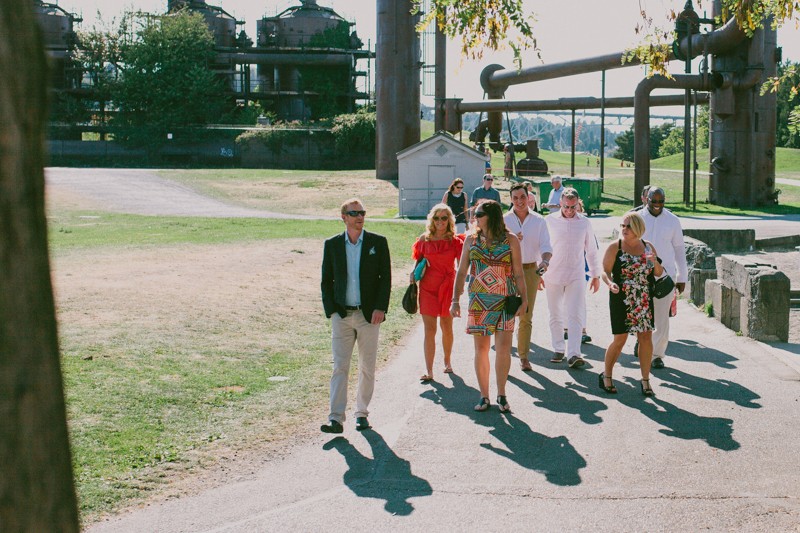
[
  {"x": 534, "y": 240},
  {"x": 663, "y": 230},
  {"x": 571, "y": 236}
]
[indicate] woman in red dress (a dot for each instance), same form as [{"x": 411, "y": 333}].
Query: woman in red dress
[{"x": 441, "y": 247}]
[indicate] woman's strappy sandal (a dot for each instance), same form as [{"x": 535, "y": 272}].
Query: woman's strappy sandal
[
  {"x": 482, "y": 405},
  {"x": 647, "y": 391}
]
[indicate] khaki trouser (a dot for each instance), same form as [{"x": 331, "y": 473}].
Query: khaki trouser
[
  {"x": 345, "y": 332},
  {"x": 526, "y": 320}
]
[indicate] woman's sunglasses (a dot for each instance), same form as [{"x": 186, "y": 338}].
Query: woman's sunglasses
[
  {"x": 480, "y": 214},
  {"x": 441, "y": 218},
  {"x": 459, "y": 186}
]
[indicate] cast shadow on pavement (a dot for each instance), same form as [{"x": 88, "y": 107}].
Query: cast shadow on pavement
[
  {"x": 554, "y": 457},
  {"x": 386, "y": 477},
  {"x": 560, "y": 399},
  {"x": 690, "y": 350}
]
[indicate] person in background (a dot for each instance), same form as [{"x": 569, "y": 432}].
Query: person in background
[
  {"x": 627, "y": 264},
  {"x": 488, "y": 164},
  {"x": 534, "y": 239},
  {"x": 485, "y": 191},
  {"x": 492, "y": 255},
  {"x": 508, "y": 161},
  {"x": 456, "y": 199},
  {"x": 356, "y": 285},
  {"x": 441, "y": 247},
  {"x": 663, "y": 230},
  {"x": 572, "y": 238},
  {"x": 554, "y": 200},
  {"x": 643, "y": 205},
  {"x": 533, "y": 205}
]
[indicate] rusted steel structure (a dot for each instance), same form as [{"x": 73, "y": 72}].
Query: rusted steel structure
[
  {"x": 397, "y": 89},
  {"x": 743, "y": 124}
]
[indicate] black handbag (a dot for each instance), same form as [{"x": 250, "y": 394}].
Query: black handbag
[
  {"x": 663, "y": 286},
  {"x": 511, "y": 304},
  {"x": 410, "y": 299}
]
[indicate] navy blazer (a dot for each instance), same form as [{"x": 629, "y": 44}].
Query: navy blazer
[{"x": 375, "y": 276}]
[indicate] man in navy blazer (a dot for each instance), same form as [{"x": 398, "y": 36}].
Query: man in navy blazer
[{"x": 356, "y": 284}]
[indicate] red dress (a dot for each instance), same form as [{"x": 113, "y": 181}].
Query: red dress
[{"x": 436, "y": 286}]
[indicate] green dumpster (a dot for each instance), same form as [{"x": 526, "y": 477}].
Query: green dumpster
[{"x": 589, "y": 189}]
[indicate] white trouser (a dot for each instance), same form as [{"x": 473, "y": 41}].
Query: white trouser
[
  {"x": 567, "y": 303},
  {"x": 345, "y": 332},
  {"x": 661, "y": 323}
]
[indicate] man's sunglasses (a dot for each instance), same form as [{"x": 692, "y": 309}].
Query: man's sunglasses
[
  {"x": 355, "y": 213},
  {"x": 573, "y": 207},
  {"x": 657, "y": 202}
]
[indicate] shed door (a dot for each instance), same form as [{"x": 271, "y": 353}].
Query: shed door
[{"x": 439, "y": 179}]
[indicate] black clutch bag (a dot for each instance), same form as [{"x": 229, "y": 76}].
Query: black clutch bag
[
  {"x": 512, "y": 304},
  {"x": 410, "y": 299},
  {"x": 663, "y": 286}
]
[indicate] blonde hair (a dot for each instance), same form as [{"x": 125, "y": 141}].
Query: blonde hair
[
  {"x": 430, "y": 228},
  {"x": 350, "y": 201},
  {"x": 636, "y": 222}
]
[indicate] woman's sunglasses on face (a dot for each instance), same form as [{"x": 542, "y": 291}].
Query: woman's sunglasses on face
[
  {"x": 625, "y": 226},
  {"x": 442, "y": 218},
  {"x": 479, "y": 214},
  {"x": 459, "y": 186}
]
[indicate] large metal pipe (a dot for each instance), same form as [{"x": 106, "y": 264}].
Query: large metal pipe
[
  {"x": 440, "y": 77},
  {"x": 641, "y": 118},
  {"x": 565, "y": 104},
  {"x": 397, "y": 90},
  {"x": 271, "y": 58}
]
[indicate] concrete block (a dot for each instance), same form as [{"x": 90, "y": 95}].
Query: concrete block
[
  {"x": 699, "y": 254},
  {"x": 725, "y": 240},
  {"x": 697, "y": 283},
  {"x": 713, "y": 296},
  {"x": 767, "y": 307}
]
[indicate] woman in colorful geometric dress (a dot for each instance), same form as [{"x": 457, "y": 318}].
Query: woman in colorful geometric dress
[
  {"x": 627, "y": 266},
  {"x": 494, "y": 260},
  {"x": 441, "y": 247}
]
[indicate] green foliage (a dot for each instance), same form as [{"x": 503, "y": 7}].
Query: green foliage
[
  {"x": 673, "y": 142},
  {"x": 336, "y": 37},
  {"x": 786, "y": 86},
  {"x": 276, "y": 138},
  {"x": 709, "y": 309},
  {"x": 330, "y": 84},
  {"x": 481, "y": 23},
  {"x": 167, "y": 84},
  {"x": 355, "y": 131}
]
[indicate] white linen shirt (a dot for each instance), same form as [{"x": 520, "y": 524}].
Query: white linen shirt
[
  {"x": 535, "y": 237},
  {"x": 665, "y": 233},
  {"x": 570, "y": 238}
]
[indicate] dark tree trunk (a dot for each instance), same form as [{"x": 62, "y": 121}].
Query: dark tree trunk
[{"x": 36, "y": 485}]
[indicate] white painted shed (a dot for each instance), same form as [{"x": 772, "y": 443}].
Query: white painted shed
[{"x": 427, "y": 169}]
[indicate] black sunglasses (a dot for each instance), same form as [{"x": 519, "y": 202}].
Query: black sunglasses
[
  {"x": 488, "y": 179},
  {"x": 441, "y": 218},
  {"x": 356, "y": 213},
  {"x": 479, "y": 214},
  {"x": 659, "y": 202}
]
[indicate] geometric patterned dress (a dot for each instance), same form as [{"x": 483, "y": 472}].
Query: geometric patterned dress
[{"x": 491, "y": 280}]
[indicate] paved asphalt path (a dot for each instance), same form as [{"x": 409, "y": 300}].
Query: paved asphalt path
[{"x": 715, "y": 450}]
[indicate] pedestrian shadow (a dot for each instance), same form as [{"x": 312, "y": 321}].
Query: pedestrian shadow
[
  {"x": 560, "y": 399},
  {"x": 690, "y": 350},
  {"x": 679, "y": 423},
  {"x": 721, "y": 389},
  {"x": 553, "y": 457},
  {"x": 385, "y": 476}
]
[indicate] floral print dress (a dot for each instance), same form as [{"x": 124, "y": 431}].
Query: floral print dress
[{"x": 631, "y": 308}]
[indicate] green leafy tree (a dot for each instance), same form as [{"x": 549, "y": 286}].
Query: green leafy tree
[
  {"x": 625, "y": 141},
  {"x": 788, "y": 131},
  {"x": 166, "y": 83},
  {"x": 673, "y": 142}
]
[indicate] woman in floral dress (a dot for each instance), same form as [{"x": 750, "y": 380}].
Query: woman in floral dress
[
  {"x": 493, "y": 257},
  {"x": 628, "y": 267}
]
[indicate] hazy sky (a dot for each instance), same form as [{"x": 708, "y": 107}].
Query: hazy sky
[{"x": 565, "y": 29}]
